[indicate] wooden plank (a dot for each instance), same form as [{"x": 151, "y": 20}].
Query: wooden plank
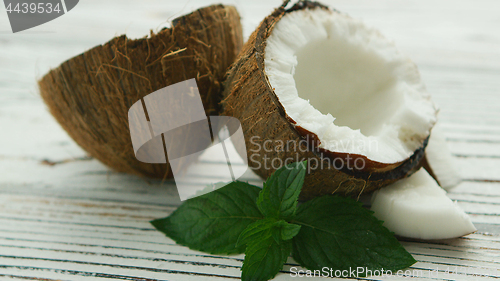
[{"x": 76, "y": 220}]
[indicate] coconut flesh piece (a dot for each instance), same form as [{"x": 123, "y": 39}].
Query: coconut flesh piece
[
  {"x": 416, "y": 207},
  {"x": 348, "y": 85},
  {"x": 439, "y": 161}
]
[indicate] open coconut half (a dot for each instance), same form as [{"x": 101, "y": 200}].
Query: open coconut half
[
  {"x": 312, "y": 83},
  {"x": 90, "y": 94},
  {"x": 416, "y": 207}
]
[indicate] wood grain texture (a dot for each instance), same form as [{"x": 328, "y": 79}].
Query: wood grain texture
[{"x": 66, "y": 217}]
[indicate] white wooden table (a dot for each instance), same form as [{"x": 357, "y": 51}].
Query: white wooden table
[{"x": 77, "y": 220}]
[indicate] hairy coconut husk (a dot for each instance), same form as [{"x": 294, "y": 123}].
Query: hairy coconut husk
[
  {"x": 249, "y": 97},
  {"x": 90, "y": 94}
]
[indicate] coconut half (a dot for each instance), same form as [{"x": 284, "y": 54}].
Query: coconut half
[
  {"x": 312, "y": 83},
  {"x": 416, "y": 207},
  {"x": 90, "y": 94}
]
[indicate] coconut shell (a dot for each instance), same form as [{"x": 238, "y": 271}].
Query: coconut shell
[
  {"x": 249, "y": 97},
  {"x": 90, "y": 94}
]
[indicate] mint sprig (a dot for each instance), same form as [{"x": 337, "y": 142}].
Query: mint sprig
[{"x": 268, "y": 226}]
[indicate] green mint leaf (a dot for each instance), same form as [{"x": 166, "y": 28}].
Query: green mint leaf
[
  {"x": 213, "y": 222},
  {"x": 339, "y": 233},
  {"x": 264, "y": 256},
  {"x": 257, "y": 230},
  {"x": 288, "y": 230},
  {"x": 278, "y": 198}
]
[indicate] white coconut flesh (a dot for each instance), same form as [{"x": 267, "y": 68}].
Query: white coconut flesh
[
  {"x": 416, "y": 207},
  {"x": 346, "y": 83},
  {"x": 440, "y": 160}
]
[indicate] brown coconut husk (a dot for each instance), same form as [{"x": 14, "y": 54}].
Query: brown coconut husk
[
  {"x": 250, "y": 98},
  {"x": 90, "y": 94}
]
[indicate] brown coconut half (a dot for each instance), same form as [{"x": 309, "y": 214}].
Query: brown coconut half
[
  {"x": 314, "y": 84},
  {"x": 90, "y": 94}
]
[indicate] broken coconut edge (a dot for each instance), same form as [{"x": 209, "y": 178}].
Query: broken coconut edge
[
  {"x": 417, "y": 207},
  {"x": 439, "y": 161}
]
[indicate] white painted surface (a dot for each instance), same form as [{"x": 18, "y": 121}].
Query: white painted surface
[{"x": 79, "y": 221}]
